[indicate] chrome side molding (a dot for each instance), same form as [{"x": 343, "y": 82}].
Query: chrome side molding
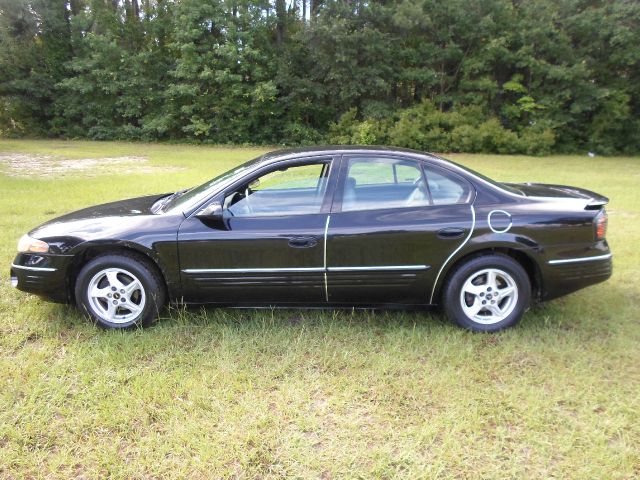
[
  {"x": 580, "y": 259},
  {"x": 252, "y": 270},
  {"x": 34, "y": 269},
  {"x": 302, "y": 270},
  {"x": 378, "y": 268}
]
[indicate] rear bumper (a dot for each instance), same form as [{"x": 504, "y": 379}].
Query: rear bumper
[
  {"x": 568, "y": 275},
  {"x": 42, "y": 275}
]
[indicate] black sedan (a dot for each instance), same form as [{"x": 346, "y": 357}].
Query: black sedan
[{"x": 332, "y": 227}]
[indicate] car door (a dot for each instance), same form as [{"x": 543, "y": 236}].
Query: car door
[
  {"x": 394, "y": 222},
  {"x": 269, "y": 247}
]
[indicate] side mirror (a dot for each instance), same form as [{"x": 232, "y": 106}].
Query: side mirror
[{"x": 213, "y": 211}]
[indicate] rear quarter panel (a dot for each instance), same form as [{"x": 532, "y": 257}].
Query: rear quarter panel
[{"x": 541, "y": 230}]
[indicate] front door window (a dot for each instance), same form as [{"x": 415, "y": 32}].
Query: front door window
[{"x": 293, "y": 190}]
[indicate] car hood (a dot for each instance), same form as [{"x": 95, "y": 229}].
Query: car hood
[
  {"x": 130, "y": 207},
  {"x": 560, "y": 191},
  {"x": 106, "y": 221}
]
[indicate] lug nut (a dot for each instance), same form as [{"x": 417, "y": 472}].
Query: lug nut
[
  {"x": 122, "y": 291},
  {"x": 109, "y": 295},
  {"x": 115, "y": 302},
  {"x": 113, "y": 288},
  {"x": 482, "y": 294},
  {"x": 484, "y": 302}
]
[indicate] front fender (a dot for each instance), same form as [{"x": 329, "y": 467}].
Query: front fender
[{"x": 163, "y": 256}]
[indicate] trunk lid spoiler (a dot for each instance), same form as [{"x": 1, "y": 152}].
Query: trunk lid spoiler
[{"x": 594, "y": 201}]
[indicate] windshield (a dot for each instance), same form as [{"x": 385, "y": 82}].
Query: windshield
[{"x": 189, "y": 198}]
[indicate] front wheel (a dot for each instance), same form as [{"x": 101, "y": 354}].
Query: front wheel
[
  {"x": 487, "y": 293},
  {"x": 120, "y": 291}
]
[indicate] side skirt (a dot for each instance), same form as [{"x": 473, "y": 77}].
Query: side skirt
[{"x": 308, "y": 306}]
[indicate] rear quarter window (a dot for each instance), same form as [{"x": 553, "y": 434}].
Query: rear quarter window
[{"x": 446, "y": 188}]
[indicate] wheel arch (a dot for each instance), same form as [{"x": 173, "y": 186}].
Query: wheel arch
[
  {"x": 90, "y": 251},
  {"x": 525, "y": 260}
]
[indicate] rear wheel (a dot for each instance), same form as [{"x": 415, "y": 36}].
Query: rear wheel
[
  {"x": 120, "y": 291},
  {"x": 487, "y": 293}
]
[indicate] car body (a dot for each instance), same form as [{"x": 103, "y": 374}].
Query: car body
[{"x": 329, "y": 227}]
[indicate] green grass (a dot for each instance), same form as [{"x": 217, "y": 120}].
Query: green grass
[{"x": 273, "y": 394}]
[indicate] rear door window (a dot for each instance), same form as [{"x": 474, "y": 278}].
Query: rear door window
[{"x": 382, "y": 182}]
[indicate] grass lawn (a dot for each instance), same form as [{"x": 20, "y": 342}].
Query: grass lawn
[{"x": 273, "y": 394}]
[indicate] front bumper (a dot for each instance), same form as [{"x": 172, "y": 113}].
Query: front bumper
[{"x": 44, "y": 275}]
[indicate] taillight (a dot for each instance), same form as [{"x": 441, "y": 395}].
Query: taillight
[{"x": 601, "y": 225}]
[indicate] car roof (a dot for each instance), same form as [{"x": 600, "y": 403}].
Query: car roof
[
  {"x": 288, "y": 153},
  {"x": 295, "y": 153}
]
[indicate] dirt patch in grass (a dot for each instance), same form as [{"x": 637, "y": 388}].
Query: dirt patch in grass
[{"x": 49, "y": 166}]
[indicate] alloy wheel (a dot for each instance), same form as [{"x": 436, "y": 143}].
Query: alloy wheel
[
  {"x": 488, "y": 296},
  {"x": 116, "y": 295}
]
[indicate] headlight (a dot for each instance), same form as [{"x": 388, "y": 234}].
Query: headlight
[{"x": 28, "y": 244}]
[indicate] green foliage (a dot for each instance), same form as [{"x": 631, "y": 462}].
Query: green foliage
[
  {"x": 490, "y": 75},
  {"x": 344, "y": 131},
  {"x": 350, "y": 130},
  {"x": 424, "y": 127}
]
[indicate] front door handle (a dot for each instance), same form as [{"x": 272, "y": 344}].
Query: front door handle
[
  {"x": 450, "y": 233},
  {"x": 303, "y": 242}
]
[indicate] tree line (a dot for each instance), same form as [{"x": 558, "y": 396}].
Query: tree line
[{"x": 506, "y": 76}]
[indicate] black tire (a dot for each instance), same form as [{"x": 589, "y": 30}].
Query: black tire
[
  {"x": 508, "y": 273},
  {"x": 149, "y": 295}
]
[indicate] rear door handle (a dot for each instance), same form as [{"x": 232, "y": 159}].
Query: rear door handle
[
  {"x": 303, "y": 242},
  {"x": 450, "y": 233}
]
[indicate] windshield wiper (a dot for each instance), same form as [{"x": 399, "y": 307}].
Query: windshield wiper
[
  {"x": 165, "y": 201},
  {"x": 159, "y": 205}
]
